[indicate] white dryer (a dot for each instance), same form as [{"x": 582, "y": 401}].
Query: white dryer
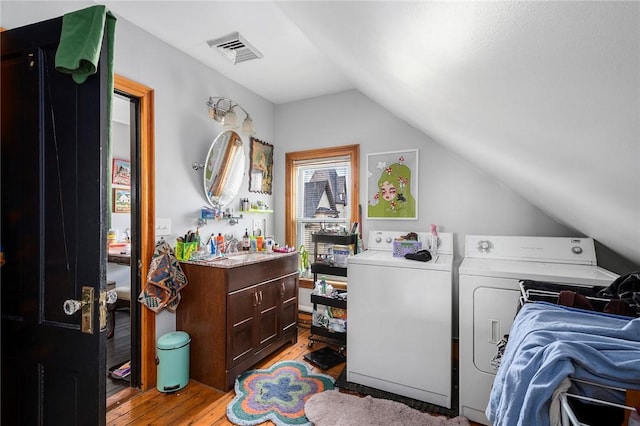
[
  {"x": 489, "y": 297},
  {"x": 399, "y": 320}
]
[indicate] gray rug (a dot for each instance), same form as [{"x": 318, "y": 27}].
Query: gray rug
[
  {"x": 342, "y": 383},
  {"x": 334, "y": 408}
]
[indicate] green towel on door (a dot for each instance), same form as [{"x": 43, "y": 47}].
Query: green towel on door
[
  {"x": 78, "y": 54},
  {"x": 81, "y": 41}
]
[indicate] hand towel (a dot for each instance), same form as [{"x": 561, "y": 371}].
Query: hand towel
[{"x": 81, "y": 42}]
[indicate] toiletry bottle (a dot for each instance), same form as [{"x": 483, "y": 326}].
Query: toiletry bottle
[
  {"x": 220, "y": 243},
  {"x": 212, "y": 244},
  {"x": 323, "y": 285},
  {"x": 433, "y": 240},
  {"x": 245, "y": 240}
]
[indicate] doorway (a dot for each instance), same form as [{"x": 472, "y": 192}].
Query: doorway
[
  {"x": 120, "y": 240},
  {"x": 142, "y": 226}
]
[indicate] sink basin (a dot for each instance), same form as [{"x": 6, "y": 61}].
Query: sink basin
[
  {"x": 245, "y": 257},
  {"x": 235, "y": 259}
]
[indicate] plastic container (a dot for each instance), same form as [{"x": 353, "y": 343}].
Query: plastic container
[
  {"x": 173, "y": 361},
  {"x": 433, "y": 240},
  {"x": 220, "y": 243}
]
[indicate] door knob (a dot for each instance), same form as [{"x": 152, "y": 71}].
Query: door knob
[
  {"x": 71, "y": 306},
  {"x": 112, "y": 297}
]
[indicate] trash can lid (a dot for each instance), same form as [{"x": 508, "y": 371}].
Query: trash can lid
[{"x": 173, "y": 340}]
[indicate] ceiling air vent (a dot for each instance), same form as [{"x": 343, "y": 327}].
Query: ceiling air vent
[{"x": 235, "y": 48}]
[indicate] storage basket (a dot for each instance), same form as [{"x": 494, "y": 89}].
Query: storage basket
[{"x": 402, "y": 247}]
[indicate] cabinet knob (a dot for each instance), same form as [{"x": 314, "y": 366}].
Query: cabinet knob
[
  {"x": 255, "y": 297},
  {"x": 282, "y": 288}
]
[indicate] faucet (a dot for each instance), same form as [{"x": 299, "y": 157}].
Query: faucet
[{"x": 231, "y": 246}]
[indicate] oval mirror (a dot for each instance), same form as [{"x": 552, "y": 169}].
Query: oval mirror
[{"x": 224, "y": 169}]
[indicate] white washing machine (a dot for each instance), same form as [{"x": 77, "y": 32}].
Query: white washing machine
[
  {"x": 399, "y": 320},
  {"x": 489, "y": 297}
]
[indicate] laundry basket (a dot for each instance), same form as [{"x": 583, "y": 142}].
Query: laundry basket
[{"x": 173, "y": 361}]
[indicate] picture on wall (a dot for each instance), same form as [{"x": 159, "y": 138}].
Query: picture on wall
[
  {"x": 392, "y": 185},
  {"x": 121, "y": 172},
  {"x": 261, "y": 167},
  {"x": 121, "y": 200}
]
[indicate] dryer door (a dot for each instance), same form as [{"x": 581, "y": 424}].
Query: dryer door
[{"x": 493, "y": 312}]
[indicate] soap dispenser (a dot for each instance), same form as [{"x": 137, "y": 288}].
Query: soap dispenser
[{"x": 433, "y": 240}]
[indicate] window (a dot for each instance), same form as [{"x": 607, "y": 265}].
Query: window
[{"x": 322, "y": 188}]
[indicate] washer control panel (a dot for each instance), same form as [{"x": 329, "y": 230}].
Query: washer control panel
[{"x": 383, "y": 240}]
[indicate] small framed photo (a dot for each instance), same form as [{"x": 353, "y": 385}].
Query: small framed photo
[
  {"x": 121, "y": 172},
  {"x": 392, "y": 185},
  {"x": 121, "y": 200},
  {"x": 261, "y": 167}
]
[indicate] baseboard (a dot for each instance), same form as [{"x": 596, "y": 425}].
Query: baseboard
[{"x": 304, "y": 319}]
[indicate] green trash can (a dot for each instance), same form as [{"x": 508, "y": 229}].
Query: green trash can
[{"x": 173, "y": 361}]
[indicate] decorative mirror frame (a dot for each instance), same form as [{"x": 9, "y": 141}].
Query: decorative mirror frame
[
  {"x": 261, "y": 167},
  {"x": 224, "y": 165}
]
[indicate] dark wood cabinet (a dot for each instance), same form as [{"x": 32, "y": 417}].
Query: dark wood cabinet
[
  {"x": 253, "y": 320},
  {"x": 236, "y": 316}
]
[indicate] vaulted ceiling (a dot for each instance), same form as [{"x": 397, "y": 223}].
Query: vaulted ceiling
[{"x": 545, "y": 96}]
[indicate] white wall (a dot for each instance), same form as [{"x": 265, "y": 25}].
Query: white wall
[
  {"x": 453, "y": 193},
  {"x": 183, "y": 130},
  {"x": 120, "y": 148}
]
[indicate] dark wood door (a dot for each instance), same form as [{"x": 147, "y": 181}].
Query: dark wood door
[
  {"x": 53, "y": 181},
  {"x": 268, "y": 315},
  {"x": 289, "y": 310},
  {"x": 242, "y": 322}
]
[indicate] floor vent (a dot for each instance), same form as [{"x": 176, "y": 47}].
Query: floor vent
[{"x": 235, "y": 48}]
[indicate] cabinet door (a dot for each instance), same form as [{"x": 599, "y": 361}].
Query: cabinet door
[
  {"x": 242, "y": 306},
  {"x": 268, "y": 315},
  {"x": 289, "y": 309}
]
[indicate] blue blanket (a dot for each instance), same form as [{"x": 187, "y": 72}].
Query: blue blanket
[{"x": 548, "y": 343}]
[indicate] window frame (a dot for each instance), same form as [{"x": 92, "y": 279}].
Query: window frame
[{"x": 351, "y": 151}]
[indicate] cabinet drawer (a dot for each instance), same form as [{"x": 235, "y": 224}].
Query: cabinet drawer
[{"x": 256, "y": 273}]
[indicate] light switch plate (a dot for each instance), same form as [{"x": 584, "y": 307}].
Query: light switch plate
[{"x": 163, "y": 227}]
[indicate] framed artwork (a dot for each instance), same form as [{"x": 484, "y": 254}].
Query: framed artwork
[
  {"x": 392, "y": 185},
  {"x": 121, "y": 200},
  {"x": 261, "y": 167},
  {"x": 121, "y": 172}
]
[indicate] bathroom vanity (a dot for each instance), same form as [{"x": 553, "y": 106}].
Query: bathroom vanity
[{"x": 237, "y": 311}]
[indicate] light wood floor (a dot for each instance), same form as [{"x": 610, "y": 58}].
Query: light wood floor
[
  {"x": 118, "y": 351},
  {"x": 198, "y": 404}
]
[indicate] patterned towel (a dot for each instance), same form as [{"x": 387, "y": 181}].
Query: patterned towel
[{"x": 164, "y": 281}]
